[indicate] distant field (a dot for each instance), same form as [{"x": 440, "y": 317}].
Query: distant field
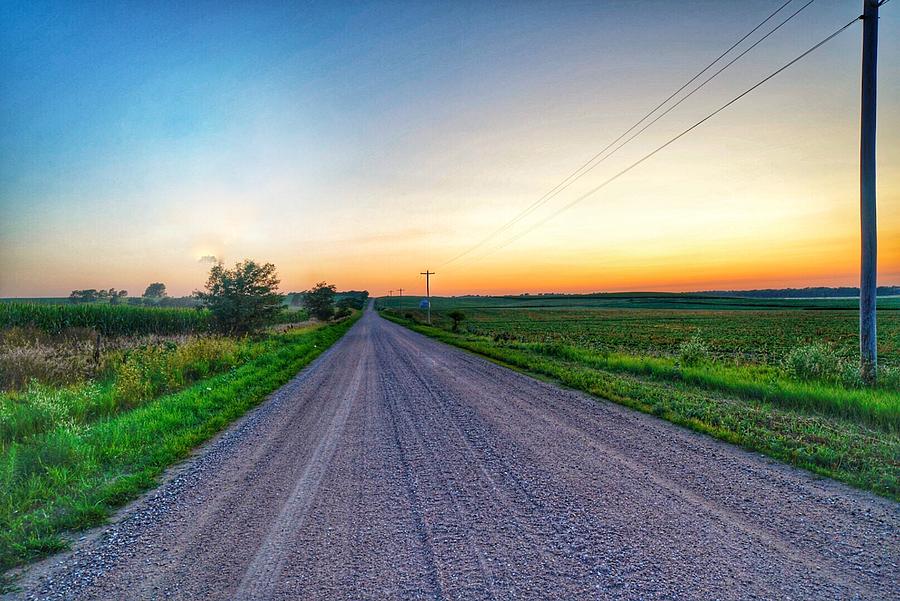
[
  {"x": 778, "y": 376},
  {"x": 636, "y": 300}
]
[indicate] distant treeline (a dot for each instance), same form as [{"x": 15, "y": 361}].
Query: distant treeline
[
  {"x": 351, "y": 299},
  {"x": 814, "y": 292}
]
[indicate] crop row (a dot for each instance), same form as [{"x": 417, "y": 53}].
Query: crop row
[
  {"x": 763, "y": 337},
  {"x": 109, "y": 320}
]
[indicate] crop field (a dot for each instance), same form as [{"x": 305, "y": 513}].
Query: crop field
[
  {"x": 781, "y": 380},
  {"x": 747, "y": 336},
  {"x": 634, "y": 300},
  {"x": 115, "y": 320},
  {"x": 108, "y": 320}
]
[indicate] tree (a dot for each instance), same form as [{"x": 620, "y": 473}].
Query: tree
[
  {"x": 320, "y": 300},
  {"x": 83, "y": 296},
  {"x": 457, "y": 316},
  {"x": 155, "y": 290},
  {"x": 116, "y": 298},
  {"x": 243, "y": 298}
]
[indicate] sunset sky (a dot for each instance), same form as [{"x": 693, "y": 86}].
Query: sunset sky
[{"x": 362, "y": 143}]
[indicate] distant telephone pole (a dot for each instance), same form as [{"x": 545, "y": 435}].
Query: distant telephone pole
[
  {"x": 428, "y": 275},
  {"x": 400, "y": 301},
  {"x": 868, "y": 286}
]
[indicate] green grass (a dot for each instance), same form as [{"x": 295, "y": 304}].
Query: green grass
[
  {"x": 74, "y": 474},
  {"x": 847, "y": 434}
]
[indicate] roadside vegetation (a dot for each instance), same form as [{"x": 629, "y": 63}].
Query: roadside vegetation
[
  {"x": 97, "y": 399},
  {"x": 783, "y": 382}
]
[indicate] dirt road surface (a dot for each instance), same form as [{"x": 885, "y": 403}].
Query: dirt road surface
[{"x": 395, "y": 467}]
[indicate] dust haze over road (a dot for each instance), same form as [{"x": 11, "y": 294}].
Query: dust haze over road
[{"x": 395, "y": 467}]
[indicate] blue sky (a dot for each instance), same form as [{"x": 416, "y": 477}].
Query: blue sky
[{"x": 331, "y": 137}]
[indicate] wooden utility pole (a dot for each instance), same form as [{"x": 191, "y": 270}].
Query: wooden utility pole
[
  {"x": 428, "y": 275},
  {"x": 400, "y": 301},
  {"x": 868, "y": 286}
]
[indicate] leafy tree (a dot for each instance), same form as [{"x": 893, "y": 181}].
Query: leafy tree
[
  {"x": 243, "y": 298},
  {"x": 117, "y": 297},
  {"x": 353, "y": 299},
  {"x": 89, "y": 295},
  {"x": 155, "y": 290},
  {"x": 457, "y": 316},
  {"x": 320, "y": 300}
]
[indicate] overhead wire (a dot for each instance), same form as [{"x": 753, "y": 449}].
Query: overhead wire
[
  {"x": 672, "y": 140},
  {"x": 587, "y": 166}
]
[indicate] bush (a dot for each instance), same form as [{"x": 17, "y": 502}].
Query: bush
[
  {"x": 693, "y": 352},
  {"x": 889, "y": 377},
  {"x": 814, "y": 361},
  {"x": 456, "y": 316},
  {"x": 342, "y": 313},
  {"x": 850, "y": 376}
]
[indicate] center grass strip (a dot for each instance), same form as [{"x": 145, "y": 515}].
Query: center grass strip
[
  {"x": 70, "y": 479},
  {"x": 837, "y": 447}
]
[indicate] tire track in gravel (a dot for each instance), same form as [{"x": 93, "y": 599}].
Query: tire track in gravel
[
  {"x": 395, "y": 467},
  {"x": 261, "y": 576}
]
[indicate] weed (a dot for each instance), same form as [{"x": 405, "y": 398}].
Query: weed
[
  {"x": 693, "y": 352},
  {"x": 813, "y": 362}
]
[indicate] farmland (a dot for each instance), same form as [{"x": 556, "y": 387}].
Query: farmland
[{"x": 780, "y": 379}]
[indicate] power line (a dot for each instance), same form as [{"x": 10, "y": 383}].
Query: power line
[
  {"x": 572, "y": 177},
  {"x": 672, "y": 140}
]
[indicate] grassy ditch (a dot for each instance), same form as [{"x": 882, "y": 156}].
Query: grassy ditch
[
  {"x": 72, "y": 469},
  {"x": 848, "y": 435}
]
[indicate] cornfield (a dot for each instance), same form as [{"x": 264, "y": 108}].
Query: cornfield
[{"x": 109, "y": 320}]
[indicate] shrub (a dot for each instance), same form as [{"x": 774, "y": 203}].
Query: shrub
[
  {"x": 889, "y": 377},
  {"x": 850, "y": 376},
  {"x": 456, "y": 316},
  {"x": 693, "y": 352},
  {"x": 342, "y": 313},
  {"x": 814, "y": 361}
]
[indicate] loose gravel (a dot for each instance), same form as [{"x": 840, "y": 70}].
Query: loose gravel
[{"x": 395, "y": 467}]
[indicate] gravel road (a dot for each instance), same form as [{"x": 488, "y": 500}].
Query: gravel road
[{"x": 395, "y": 467}]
